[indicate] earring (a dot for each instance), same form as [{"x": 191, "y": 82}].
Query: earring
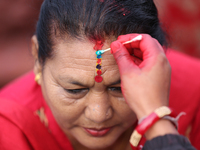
[{"x": 37, "y": 77}]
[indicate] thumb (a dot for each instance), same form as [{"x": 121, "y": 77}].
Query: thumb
[{"x": 123, "y": 58}]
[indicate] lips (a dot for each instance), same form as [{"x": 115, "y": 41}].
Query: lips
[{"x": 96, "y": 132}]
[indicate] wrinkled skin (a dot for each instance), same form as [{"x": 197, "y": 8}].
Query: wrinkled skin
[{"x": 78, "y": 102}]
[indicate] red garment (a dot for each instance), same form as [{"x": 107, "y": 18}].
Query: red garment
[
  {"x": 25, "y": 93},
  {"x": 19, "y": 127},
  {"x": 185, "y": 93}
]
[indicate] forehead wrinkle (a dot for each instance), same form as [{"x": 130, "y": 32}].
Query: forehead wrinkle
[
  {"x": 108, "y": 69},
  {"x": 75, "y": 69},
  {"x": 78, "y": 59},
  {"x": 112, "y": 78},
  {"x": 105, "y": 70},
  {"x": 81, "y": 67},
  {"x": 109, "y": 65},
  {"x": 72, "y": 80},
  {"x": 108, "y": 59},
  {"x": 84, "y": 61},
  {"x": 82, "y": 46},
  {"x": 76, "y": 78},
  {"x": 79, "y": 63},
  {"x": 69, "y": 69}
]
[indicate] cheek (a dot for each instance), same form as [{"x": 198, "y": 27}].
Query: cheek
[{"x": 124, "y": 112}]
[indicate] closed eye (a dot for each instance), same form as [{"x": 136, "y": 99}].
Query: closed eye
[
  {"x": 115, "y": 89},
  {"x": 77, "y": 91}
]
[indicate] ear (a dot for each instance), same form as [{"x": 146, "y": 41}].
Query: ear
[{"x": 34, "y": 48}]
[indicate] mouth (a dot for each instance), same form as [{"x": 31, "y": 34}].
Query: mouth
[{"x": 97, "y": 132}]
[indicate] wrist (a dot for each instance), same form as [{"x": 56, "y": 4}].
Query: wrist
[
  {"x": 147, "y": 123},
  {"x": 146, "y": 111},
  {"x": 160, "y": 128}
]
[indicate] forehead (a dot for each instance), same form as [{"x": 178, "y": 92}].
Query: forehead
[{"x": 76, "y": 59}]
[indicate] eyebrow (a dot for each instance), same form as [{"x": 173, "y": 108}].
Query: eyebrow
[
  {"x": 117, "y": 82},
  {"x": 70, "y": 80},
  {"x": 80, "y": 84},
  {"x": 76, "y": 83}
]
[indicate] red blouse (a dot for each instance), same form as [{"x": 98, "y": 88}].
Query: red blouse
[{"x": 21, "y": 105}]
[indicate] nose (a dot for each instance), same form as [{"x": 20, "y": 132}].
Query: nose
[{"x": 98, "y": 108}]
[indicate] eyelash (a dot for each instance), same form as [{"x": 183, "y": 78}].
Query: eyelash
[
  {"x": 76, "y": 91},
  {"x": 79, "y": 91},
  {"x": 115, "y": 89}
]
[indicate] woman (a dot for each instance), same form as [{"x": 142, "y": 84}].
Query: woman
[{"x": 81, "y": 102}]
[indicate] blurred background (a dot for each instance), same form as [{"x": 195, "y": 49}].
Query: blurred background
[{"x": 180, "y": 19}]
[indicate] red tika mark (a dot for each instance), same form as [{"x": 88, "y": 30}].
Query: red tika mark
[
  {"x": 98, "y": 45},
  {"x": 98, "y": 78},
  {"x": 99, "y": 72}
]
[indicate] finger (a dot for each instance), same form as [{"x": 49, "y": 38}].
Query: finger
[
  {"x": 128, "y": 37},
  {"x": 136, "y": 60},
  {"x": 138, "y": 53},
  {"x": 146, "y": 43},
  {"x": 149, "y": 46},
  {"x": 123, "y": 58}
]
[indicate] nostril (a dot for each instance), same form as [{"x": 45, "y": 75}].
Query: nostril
[
  {"x": 109, "y": 113},
  {"x": 98, "y": 114}
]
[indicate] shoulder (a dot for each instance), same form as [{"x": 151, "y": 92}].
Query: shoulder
[
  {"x": 185, "y": 79},
  {"x": 185, "y": 75},
  {"x": 19, "y": 101},
  {"x": 11, "y": 137},
  {"x": 184, "y": 93},
  {"x": 24, "y": 128},
  {"x": 23, "y": 90},
  {"x": 183, "y": 63}
]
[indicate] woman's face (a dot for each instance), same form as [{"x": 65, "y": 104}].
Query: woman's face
[{"x": 90, "y": 113}]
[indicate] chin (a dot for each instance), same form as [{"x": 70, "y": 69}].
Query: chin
[{"x": 97, "y": 143}]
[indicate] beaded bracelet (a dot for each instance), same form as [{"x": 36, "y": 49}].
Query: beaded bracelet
[{"x": 148, "y": 122}]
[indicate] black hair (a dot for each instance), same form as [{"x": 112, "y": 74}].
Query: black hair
[{"x": 95, "y": 20}]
